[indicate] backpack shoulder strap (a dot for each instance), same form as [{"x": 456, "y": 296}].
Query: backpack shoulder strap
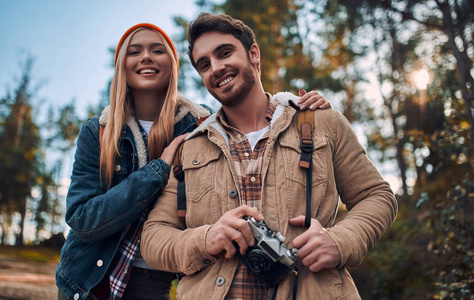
[
  {"x": 179, "y": 175},
  {"x": 305, "y": 129}
]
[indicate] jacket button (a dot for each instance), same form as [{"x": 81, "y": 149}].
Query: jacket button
[
  {"x": 118, "y": 168},
  {"x": 220, "y": 280},
  {"x": 233, "y": 193},
  {"x": 76, "y": 296},
  {"x": 196, "y": 162},
  {"x": 100, "y": 263}
]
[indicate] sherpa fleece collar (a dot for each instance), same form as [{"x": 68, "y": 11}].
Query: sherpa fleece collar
[{"x": 183, "y": 107}]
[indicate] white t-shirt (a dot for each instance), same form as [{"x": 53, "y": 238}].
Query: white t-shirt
[
  {"x": 146, "y": 125},
  {"x": 254, "y": 136},
  {"x": 139, "y": 261}
]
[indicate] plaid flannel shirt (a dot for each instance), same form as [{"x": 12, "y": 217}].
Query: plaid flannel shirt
[{"x": 248, "y": 165}]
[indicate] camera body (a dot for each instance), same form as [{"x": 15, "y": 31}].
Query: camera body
[{"x": 270, "y": 259}]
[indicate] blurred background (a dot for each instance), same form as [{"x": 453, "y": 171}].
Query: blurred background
[{"x": 401, "y": 71}]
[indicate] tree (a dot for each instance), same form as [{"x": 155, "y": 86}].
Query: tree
[
  {"x": 455, "y": 19},
  {"x": 59, "y": 136},
  {"x": 19, "y": 142}
]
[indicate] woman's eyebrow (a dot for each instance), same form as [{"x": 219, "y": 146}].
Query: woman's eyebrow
[{"x": 141, "y": 45}]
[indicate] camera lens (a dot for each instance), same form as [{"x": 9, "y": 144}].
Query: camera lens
[{"x": 258, "y": 262}]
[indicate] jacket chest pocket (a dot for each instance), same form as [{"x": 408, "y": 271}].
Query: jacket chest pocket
[
  {"x": 291, "y": 153},
  {"x": 124, "y": 163},
  {"x": 202, "y": 177},
  {"x": 201, "y": 170},
  {"x": 122, "y": 168}
]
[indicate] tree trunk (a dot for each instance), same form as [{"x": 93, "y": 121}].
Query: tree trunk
[
  {"x": 463, "y": 61},
  {"x": 19, "y": 238}
]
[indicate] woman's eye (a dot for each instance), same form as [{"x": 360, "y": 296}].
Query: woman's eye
[{"x": 133, "y": 52}]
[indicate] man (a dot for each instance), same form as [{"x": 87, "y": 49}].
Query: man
[{"x": 244, "y": 162}]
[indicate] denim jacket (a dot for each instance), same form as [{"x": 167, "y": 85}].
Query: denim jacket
[{"x": 99, "y": 216}]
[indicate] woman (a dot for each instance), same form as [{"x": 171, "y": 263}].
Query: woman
[{"x": 122, "y": 163}]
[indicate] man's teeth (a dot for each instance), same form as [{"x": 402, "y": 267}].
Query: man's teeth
[
  {"x": 222, "y": 83},
  {"x": 147, "y": 71}
]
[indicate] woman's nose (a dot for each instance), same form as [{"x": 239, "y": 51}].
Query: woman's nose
[{"x": 146, "y": 56}]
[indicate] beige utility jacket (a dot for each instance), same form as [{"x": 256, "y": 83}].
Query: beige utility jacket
[{"x": 340, "y": 169}]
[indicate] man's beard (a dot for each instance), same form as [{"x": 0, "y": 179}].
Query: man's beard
[{"x": 238, "y": 94}]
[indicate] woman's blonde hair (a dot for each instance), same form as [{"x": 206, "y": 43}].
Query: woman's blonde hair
[{"x": 121, "y": 108}]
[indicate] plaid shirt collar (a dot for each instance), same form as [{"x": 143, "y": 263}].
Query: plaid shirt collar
[{"x": 222, "y": 120}]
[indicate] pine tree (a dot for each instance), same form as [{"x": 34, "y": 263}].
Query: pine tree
[{"x": 19, "y": 142}]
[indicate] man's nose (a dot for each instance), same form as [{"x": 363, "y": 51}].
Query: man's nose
[{"x": 217, "y": 66}]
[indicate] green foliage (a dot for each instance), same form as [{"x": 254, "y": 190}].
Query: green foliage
[
  {"x": 398, "y": 267},
  {"x": 451, "y": 220},
  {"x": 19, "y": 142},
  {"x": 45, "y": 182}
]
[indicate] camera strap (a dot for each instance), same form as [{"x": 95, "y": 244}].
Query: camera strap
[
  {"x": 273, "y": 289},
  {"x": 305, "y": 128}
]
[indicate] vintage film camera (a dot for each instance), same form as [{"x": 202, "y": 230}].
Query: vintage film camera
[{"x": 270, "y": 259}]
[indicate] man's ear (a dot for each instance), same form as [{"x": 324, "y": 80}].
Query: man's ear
[{"x": 254, "y": 54}]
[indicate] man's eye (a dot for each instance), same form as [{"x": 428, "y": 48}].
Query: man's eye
[{"x": 203, "y": 67}]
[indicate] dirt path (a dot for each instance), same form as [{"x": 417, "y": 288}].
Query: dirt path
[{"x": 26, "y": 279}]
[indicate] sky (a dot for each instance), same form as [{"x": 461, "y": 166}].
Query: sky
[{"x": 70, "y": 40}]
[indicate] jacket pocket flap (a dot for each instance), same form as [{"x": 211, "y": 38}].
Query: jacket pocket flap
[{"x": 198, "y": 158}]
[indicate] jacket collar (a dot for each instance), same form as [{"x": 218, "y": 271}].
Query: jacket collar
[
  {"x": 183, "y": 107},
  {"x": 284, "y": 99}
]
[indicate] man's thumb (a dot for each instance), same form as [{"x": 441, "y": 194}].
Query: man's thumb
[{"x": 298, "y": 221}]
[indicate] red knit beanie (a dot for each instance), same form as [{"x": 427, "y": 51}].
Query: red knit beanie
[{"x": 151, "y": 26}]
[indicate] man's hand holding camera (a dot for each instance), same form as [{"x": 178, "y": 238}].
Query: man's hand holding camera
[
  {"x": 316, "y": 249},
  {"x": 231, "y": 227}
]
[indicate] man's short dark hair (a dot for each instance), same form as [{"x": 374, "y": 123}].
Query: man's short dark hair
[{"x": 222, "y": 23}]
